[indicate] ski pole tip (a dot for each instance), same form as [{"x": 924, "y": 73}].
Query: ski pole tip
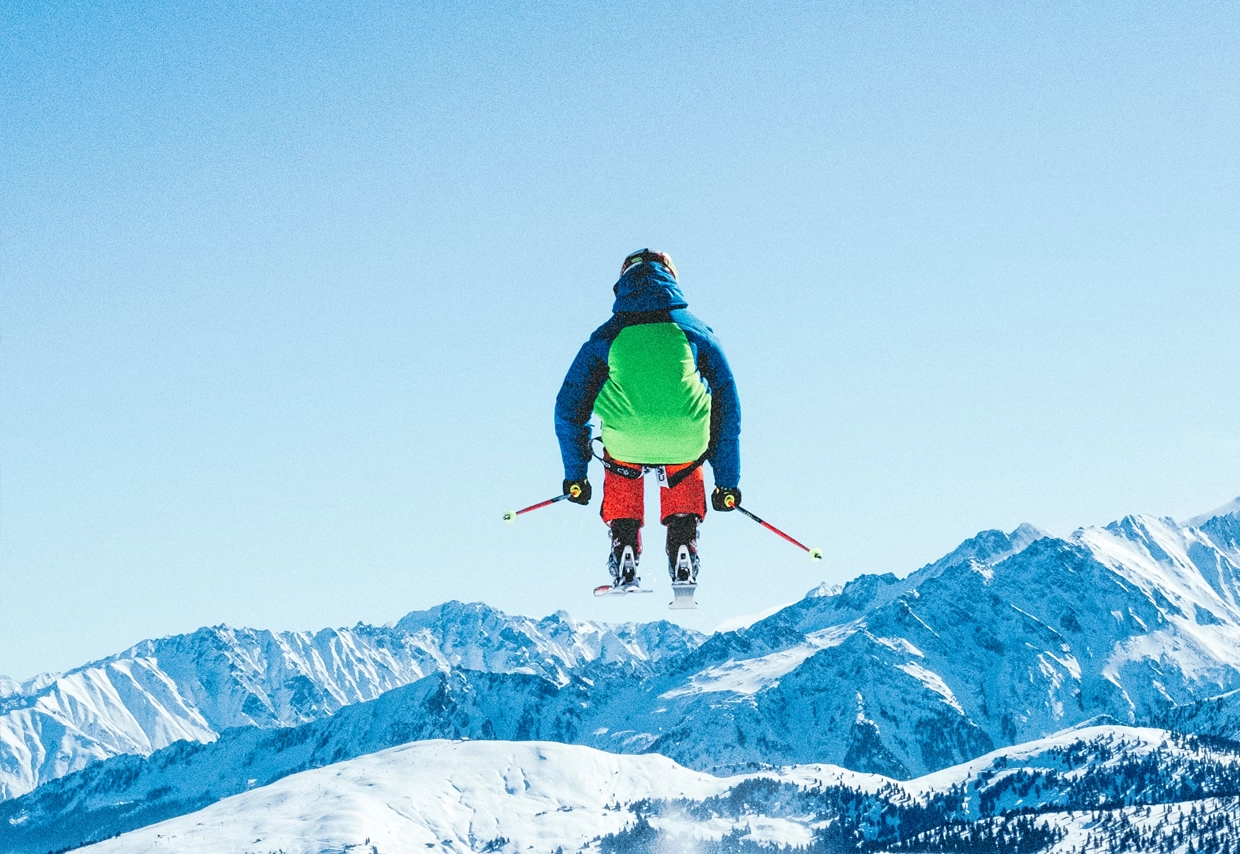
[
  {"x": 815, "y": 554},
  {"x": 510, "y": 516}
]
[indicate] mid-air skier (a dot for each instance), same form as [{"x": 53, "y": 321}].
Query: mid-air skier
[{"x": 657, "y": 379}]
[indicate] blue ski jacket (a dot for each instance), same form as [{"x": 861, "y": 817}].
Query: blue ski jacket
[{"x": 658, "y": 380}]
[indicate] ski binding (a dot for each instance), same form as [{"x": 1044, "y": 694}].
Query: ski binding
[{"x": 624, "y": 575}]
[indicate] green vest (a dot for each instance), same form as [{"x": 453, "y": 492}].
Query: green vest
[{"x": 654, "y": 406}]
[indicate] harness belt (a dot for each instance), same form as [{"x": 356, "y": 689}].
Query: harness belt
[{"x": 635, "y": 472}]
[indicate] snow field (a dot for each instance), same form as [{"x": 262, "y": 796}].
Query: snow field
[{"x": 449, "y": 796}]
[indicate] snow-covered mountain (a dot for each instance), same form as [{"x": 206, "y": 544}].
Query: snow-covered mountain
[
  {"x": 1102, "y": 787},
  {"x": 1006, "y": 640},
  {"x": 127, "y": 792},
  {"x": 194, "y": 686},
  {"x": 1009, "y": 638}
]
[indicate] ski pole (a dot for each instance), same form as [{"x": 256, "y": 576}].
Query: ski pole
[
  {"x": 511, "y": 515},
  {"x": 815, "y": 554}
]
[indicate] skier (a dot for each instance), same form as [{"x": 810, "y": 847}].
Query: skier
[{"x": 666, "y": 402}]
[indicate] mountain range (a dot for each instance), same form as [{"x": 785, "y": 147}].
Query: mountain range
[
  {"x": 193, "y": 687},
  {"x": 1008, "y": 640}
]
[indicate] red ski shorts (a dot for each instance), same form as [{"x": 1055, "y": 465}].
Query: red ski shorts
[{"x": 625, "y": 498}]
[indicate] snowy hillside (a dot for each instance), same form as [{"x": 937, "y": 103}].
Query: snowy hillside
[
  {"x": 546, "y": 797},
  {"x": 434, "y": 794},
  {"x": 192, "y": 687}
]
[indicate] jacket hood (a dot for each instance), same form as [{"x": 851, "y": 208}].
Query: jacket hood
[{"x": 648, "y": 287}]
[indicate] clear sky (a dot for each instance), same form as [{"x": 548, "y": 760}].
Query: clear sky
[{"x": 287, "y": 291}]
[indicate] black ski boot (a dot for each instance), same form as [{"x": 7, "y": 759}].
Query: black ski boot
[
  {"x": 682, "y": 557},
  {"x": 626, "y": 550}
]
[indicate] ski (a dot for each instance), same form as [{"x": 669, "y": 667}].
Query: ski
[
  {"x": 684, "y": 570},
  {"x": 622, "y": 590},
  {"x": 682, "y": 596}
]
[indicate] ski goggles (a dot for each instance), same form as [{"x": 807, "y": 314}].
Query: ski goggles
[{"x": 646, "y": 256}]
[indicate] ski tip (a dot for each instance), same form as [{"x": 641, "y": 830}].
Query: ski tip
[
  {"x": 608, "y": 590},
  {"x": 510, "y": 516},
  {"x": 815, "y": 554}
]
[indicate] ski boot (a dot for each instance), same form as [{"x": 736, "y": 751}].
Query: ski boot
[
  {"x": 626, "y": 549},
  {"x": 682, "y": 559}
]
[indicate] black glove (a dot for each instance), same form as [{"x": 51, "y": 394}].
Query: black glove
[
  {"x": 583, "y": 491},
  {"x": 725, "y": 498}
]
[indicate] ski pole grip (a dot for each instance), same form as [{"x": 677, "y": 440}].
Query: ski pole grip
[
  {"x": 729, "y": 500},
  {"x": 574, "y": 491}
]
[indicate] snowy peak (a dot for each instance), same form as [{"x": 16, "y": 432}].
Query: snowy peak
[
  {"x": 1186, "y": 566},
  {"x": 1221, "y": 527},
  {"x": 986, "y": 548},
  {"x": 824, "y": 590},
  {"x": 477, "y": 637},
  {"x": 826, "y": 605},
  {"x": 1231, "y": 508}
]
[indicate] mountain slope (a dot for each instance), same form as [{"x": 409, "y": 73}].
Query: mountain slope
[
  {"x": 544, "y": 797},
  {"x": 435, "y": 794}
]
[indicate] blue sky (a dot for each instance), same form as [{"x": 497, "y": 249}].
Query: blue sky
[{"x": 287, "y": 290}]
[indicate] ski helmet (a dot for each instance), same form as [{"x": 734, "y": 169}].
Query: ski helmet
[{"x": 645, "y": 256}]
